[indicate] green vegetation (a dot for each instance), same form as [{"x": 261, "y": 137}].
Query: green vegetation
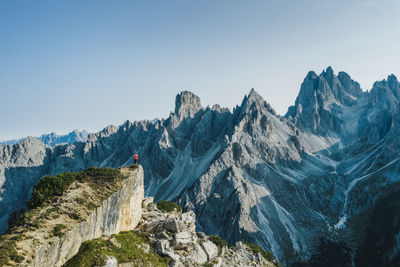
[
  {"x": 100, "y": 175},
  {"x": 8, "y": 252},
  {"x": 90, "y": 205},
  {"x": 257, "y": 249},
  {"x": 54, "y": 186},
  {"x": 168, "y": 206},
  {"x": 128, "y": 248},
  {"x": 80, "y": 200},
  {"x": 58, "y": 230},
  {"x": 379, "y": 238},
  {"x": 217, "y": 240},
  {"x": 330, "y": 254},
  {"x": 50, "y": 186},
  {"x": 208, "y": 264}
]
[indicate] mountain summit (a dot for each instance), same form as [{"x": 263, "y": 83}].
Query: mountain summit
[
  {"x": 323, "y": 100},
  {"x": 187, "y": 104}
]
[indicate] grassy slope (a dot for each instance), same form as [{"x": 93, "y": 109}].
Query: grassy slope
[{"x": 130, "y": 247}]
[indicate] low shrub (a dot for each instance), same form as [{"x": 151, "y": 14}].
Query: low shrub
[
  {"x": 91, "y": 206},
  {"x": 168, "y": 206},
  {"x": 266, "y": 254},
  {"x": 8, "y": 252},
  {"x": 99, "y": 175},
  {"x": 58, "y": 230},
  {"x": 80, "y": 200},
  {"x": 49, "y": 187},
  {"x": 218, "y": 241}
]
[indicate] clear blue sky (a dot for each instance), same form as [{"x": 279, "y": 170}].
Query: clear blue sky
[{"x": 70, "y": 64}]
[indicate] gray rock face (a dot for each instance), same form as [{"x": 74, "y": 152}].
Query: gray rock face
[
  {"x": 187, "y": 104},
  {"x": 172, "y": 225},
  {"x": 161, "y": 246},
  {"x": 210, "y": 249},
  {"x": 279, "y": 181}
]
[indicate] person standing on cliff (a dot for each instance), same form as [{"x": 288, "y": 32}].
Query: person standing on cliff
[{"x": 135, "y": 158}]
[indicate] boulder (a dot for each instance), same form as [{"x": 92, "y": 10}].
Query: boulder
[
  {"x": 182, "y": 240},
  {"x": 172, "y": 225},
  {"x": 147, "y": 201},
  {"x": 161, "y": 246},
  {"x": 189, "y": 219},
  {"x": 201, "y": 235},
  {"x": 163, "y": 235},
  {"x": 111, "y": 262},
  {"x": 210, "y": 249},
  {"x": 197, "y": 255},
  {"x": 239, "y": 244},
  {"x": 175, "y": 258}
]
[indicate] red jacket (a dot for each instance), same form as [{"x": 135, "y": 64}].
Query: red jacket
[{"x": 135, "y": 157}]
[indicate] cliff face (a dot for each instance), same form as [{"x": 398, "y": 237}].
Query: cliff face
[{"x": 121, "y": 211}]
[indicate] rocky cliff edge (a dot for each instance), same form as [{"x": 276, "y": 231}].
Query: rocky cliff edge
[{"x": 97, "y": 202}]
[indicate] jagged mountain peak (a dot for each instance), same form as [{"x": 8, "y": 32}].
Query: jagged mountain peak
[
  {"x": 386, "y": 93},
  {"x": 29, "y": 140},
  {"x": 253, "y": 96},
  {"x": 329, "y": 75},
  {"x": 107, "y": 131},
  {"x": 253, "y": 92},
  {"x": 110, "y": 129},
  {"x": 311, "y": 75},
  {"x": 392, "y": 80},
  {"x": 321, "y": 101},
  {"x": 349, "y": 84},
  {"x": 329, "y": 82},
  {"x": 187, "y": 104},
  {"x": 254, "y": 101}
]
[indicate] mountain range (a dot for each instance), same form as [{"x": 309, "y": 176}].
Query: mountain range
[
  {"x": 315, "y": 185},
  {"x": 53, "y": 139}
]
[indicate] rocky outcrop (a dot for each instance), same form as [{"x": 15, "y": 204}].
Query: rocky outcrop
[
  {"x": 59, "y": 235},
  {"x": 173, "y": 235}
]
